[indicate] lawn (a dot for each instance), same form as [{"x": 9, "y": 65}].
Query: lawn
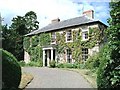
[{"x": 87, "y": 74}]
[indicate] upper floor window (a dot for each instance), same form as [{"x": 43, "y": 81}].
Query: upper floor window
[
  {"x": 69, "y": 56},
  {"x": 85, "y": 35},
  {"x": 77, "y": 35},
  {"x": 53, "y": 37},
  {"x": 84, "y": 53},
  {"x": 69, "y": 35}
]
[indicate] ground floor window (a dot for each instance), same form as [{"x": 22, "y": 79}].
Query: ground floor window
[
  {"x": 69, "y": 56},
  {"x": 84, "y": 53}
]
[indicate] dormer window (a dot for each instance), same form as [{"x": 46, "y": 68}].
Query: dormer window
[
  {"x": 68, "y": 35},
  {"x": 53, "y": 37}
]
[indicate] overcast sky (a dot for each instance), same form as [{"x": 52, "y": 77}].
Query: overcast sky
[{"x": 47, "y": 10}]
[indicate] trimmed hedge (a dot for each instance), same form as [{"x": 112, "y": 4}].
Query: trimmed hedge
[{"x": 11, "y": 71}]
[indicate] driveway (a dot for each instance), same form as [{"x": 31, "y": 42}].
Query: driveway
[{"x": 55, "y": 78}]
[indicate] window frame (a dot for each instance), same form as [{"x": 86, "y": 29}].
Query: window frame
[
  {"x": 85, "y": 53},
  {"x": 53, "y": 37},
  {"x": 69, "y": 34},
  {"x": 69, "y": 56},
  {"x": 84, "y": 34},
  {"x": 85, "y": 31}
]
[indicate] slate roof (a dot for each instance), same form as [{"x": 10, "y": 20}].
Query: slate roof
[{"x": 64, "y": 24}]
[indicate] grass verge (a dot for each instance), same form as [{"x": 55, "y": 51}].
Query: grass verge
[
  {"x": 25, "y": 80},
  {"x": 87, "y": 74}
]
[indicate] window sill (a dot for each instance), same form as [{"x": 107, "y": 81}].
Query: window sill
[
  {"x": 84, "y": 39},
  {"x": 53, "y": 42},
  {"x": 69, "y": 41}
]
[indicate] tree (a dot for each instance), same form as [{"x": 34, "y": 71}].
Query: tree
[
  {"x": 109, "y": 71},
  {"x": 31, "y": 21},
  {"x": 13, "y": 36}
]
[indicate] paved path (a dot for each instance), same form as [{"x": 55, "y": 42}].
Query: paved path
[{"x": 55, "y": 78}]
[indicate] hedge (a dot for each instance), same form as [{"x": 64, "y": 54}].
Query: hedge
[{"x": 11, "y": 71}]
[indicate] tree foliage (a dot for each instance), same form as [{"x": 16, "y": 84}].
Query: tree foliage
[
  {"x": 13, "y": 36},
  {"x": 109, "y": 71}
]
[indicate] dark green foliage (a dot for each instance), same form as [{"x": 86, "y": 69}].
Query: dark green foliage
[
  {"x": 93, "y": 62},
  {"x": 13, "y": 36},
  {"x": 52, "y": 64},
  {"x": 35, "y": 63},
  {"x": 108, "y": 74},
  {"x": 33, "y": 45},
  {"x": 26, "y": 43},
  {"x": 11, "y": 71},
  {"x": 103, "y": 79},
  {"x": 60, "y": 65},
  {"x": 31, "y": 64},
  {"x": 68, "y": 65},
  {"x": 22, "y": 63}
]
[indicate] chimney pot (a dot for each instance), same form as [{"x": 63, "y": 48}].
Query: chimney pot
[{"x": 89, "y": 13}]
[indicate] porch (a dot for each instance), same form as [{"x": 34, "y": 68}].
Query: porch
[{"x": 49, "y": 54}]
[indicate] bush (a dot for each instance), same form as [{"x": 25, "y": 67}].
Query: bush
[
  {"x": 75, "y": 65},
  {"x": 52, "y": 64},
  {"x": 36, "y": 64},
  {"x": 93, "y": 62},
  {"x": 68, "y": 65},
  {"x": 102, "y": 79},
  {"x": 60, "y": 65},
  {"x": 11, "y": 71},
  {"x": 108, "y": 76},
  {"x": 22, "y": 63}
]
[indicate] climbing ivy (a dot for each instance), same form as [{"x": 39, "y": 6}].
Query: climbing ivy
[
  {"x": 94, "y": 38},
  {"x": 33, "y": 45}
]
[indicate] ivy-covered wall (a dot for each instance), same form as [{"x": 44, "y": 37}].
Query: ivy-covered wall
[
  {"x": 95, "y": 37},
  {"x": 33, "y": 44}
]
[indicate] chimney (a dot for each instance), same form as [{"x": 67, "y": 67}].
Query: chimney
[
  {"x": 89, "y": 13},
  {"x": 55, "y": 20}
]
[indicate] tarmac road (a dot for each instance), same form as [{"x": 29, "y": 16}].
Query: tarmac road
[{"x": 55, "y": 78}]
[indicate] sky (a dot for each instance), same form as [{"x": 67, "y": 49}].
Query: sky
[{"x": 48, "y": 10}]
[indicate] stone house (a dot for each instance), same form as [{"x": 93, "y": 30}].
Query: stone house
[{"x": 74, "y": 38}]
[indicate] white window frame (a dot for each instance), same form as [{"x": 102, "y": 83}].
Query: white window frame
[
  {"x": 69, "y": 55},
  {"x": 69, "y": 31},
  {"x": 84, "y": 30},
  {"x": 53, "y": 36},
  {"x": 84, "y": 35},
  {"x": 85, "y": 52}
]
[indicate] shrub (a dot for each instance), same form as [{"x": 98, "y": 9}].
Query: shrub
[
  {"x": 108, "y": 76},
  {"x": 11, "y": 70},
  {"x": 35, "y": 63},
  {"x": 22, "y": 63},
  {"x": 75, "y": 65},
  {"x": 93, "y": 62},
  {"x": 102, "y": 77},
  {"x": 52, "y": 64},
  {"x": 60, "y": 65},
  {"x": 68, "y": 65}
]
